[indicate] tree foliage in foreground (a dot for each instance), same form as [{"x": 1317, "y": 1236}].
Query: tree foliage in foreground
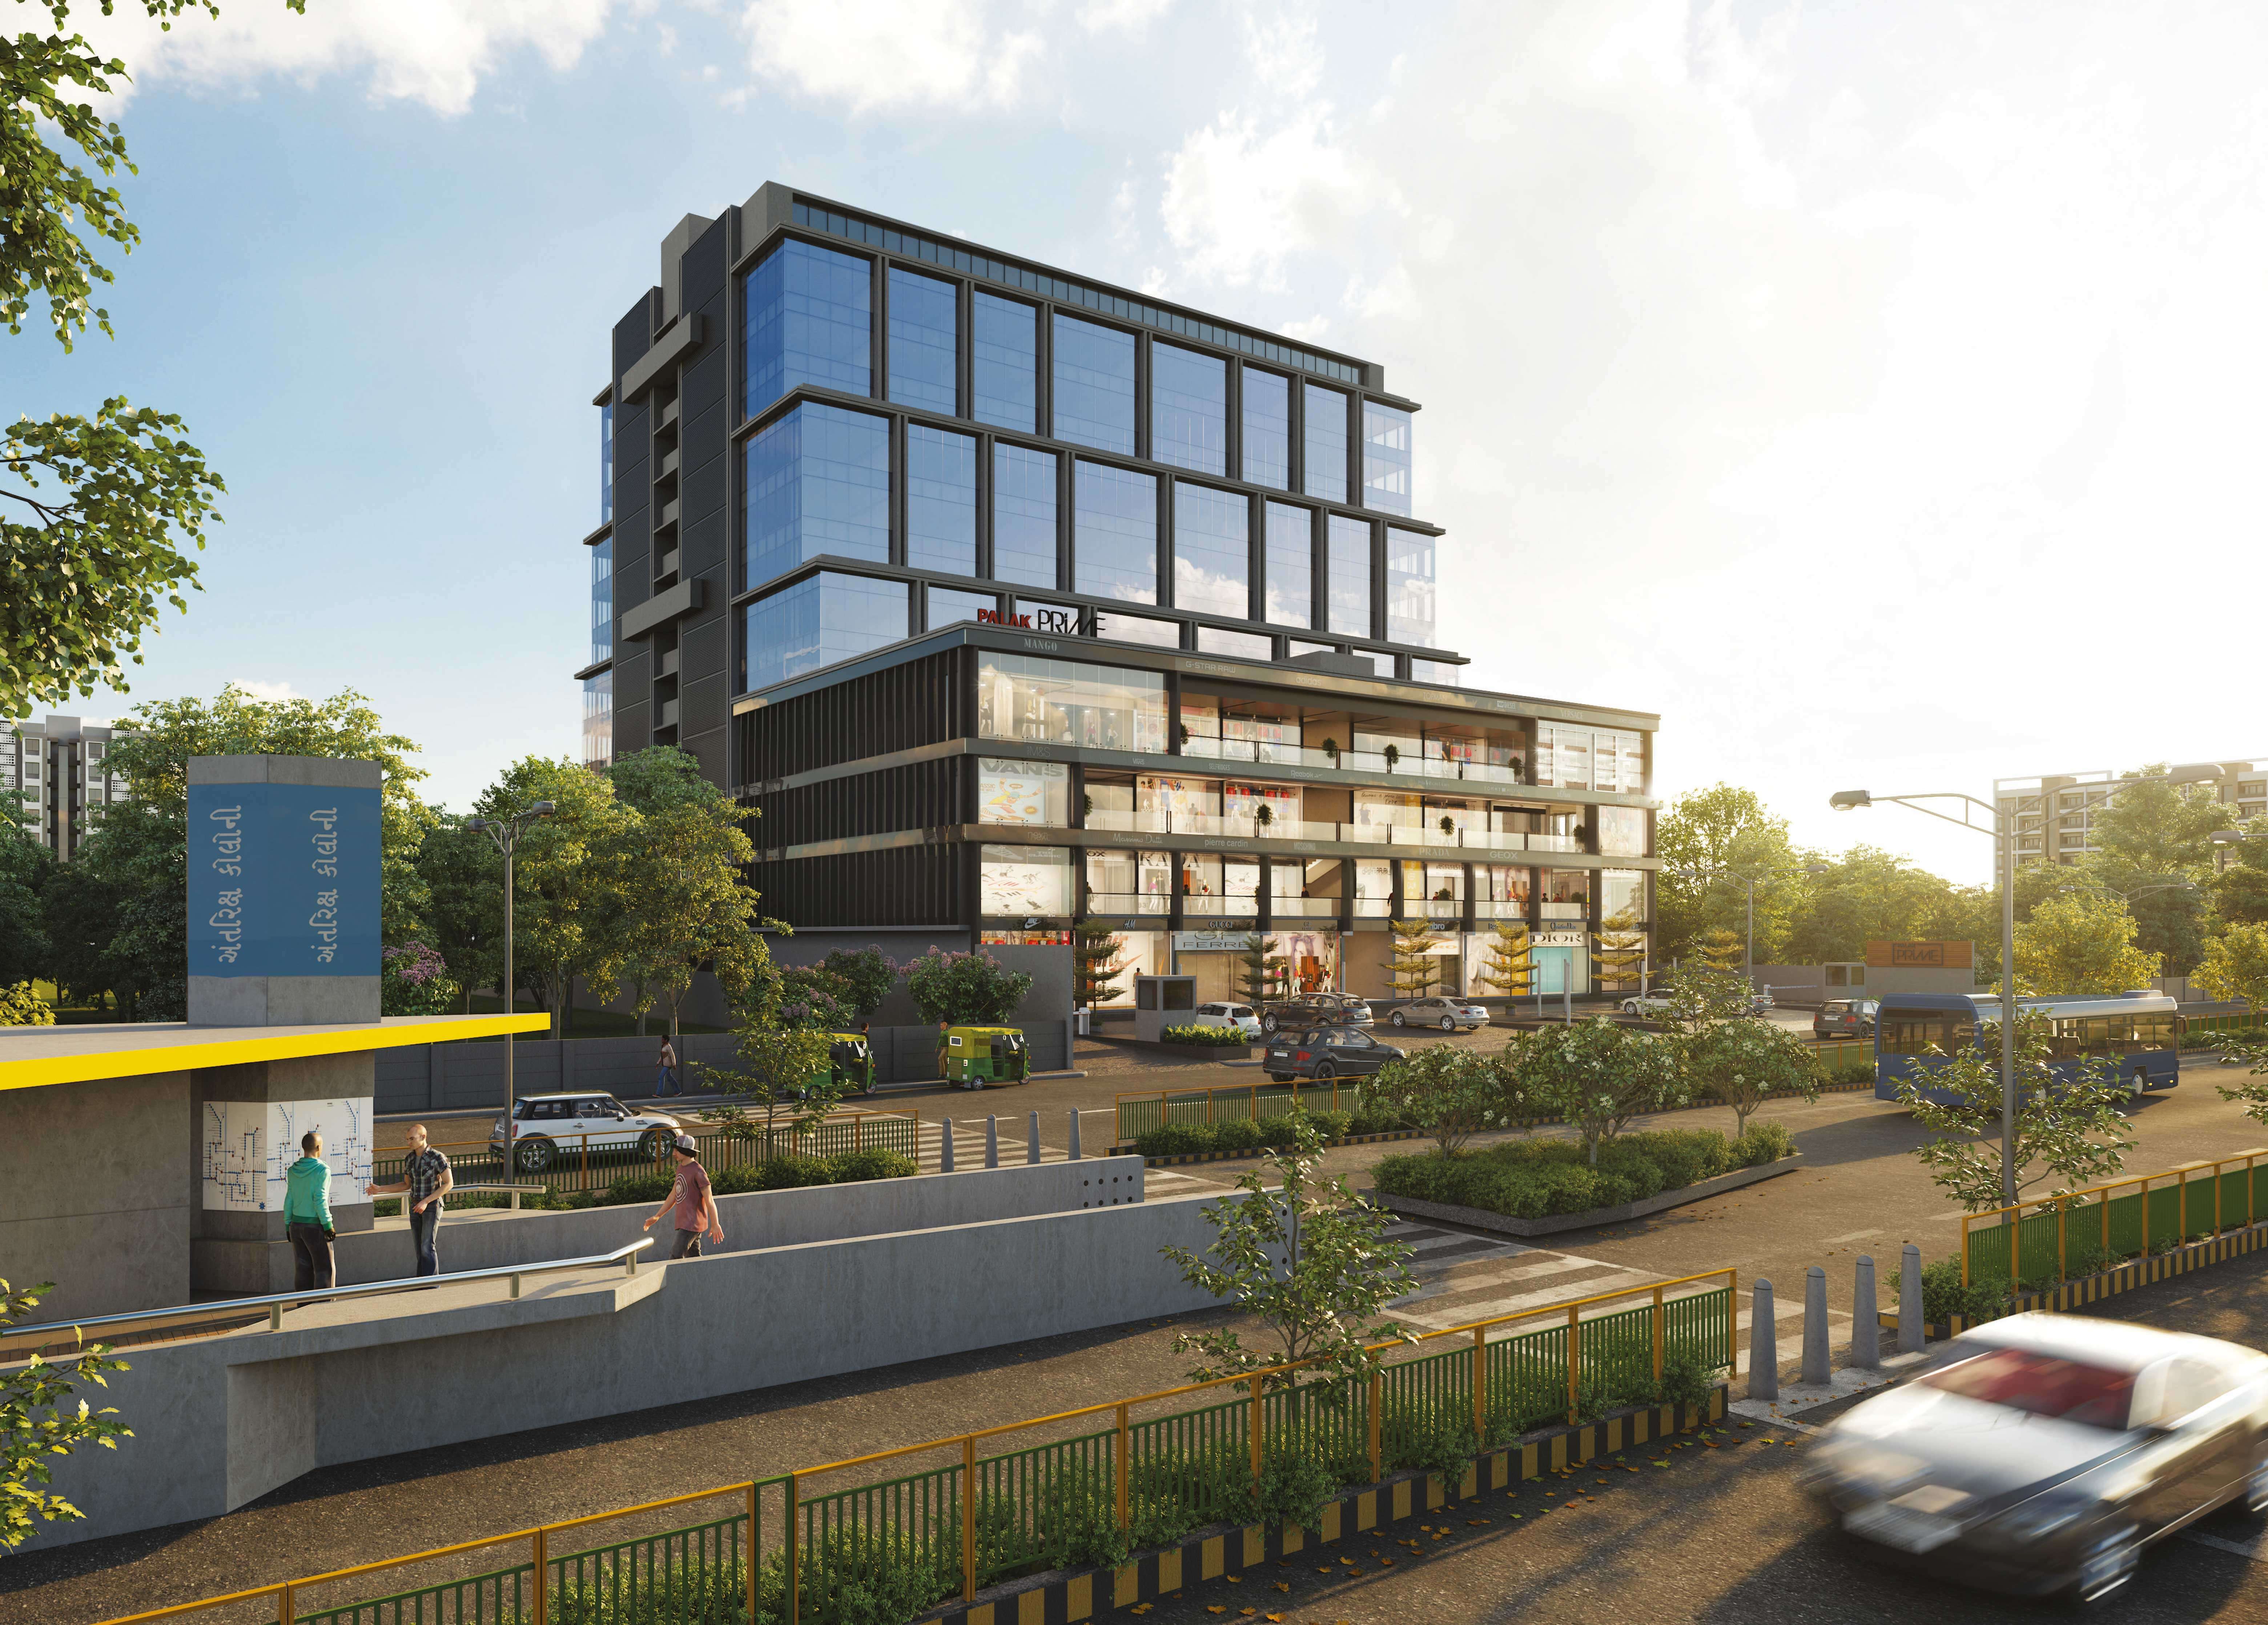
[{"x": 38, "y": 1423}]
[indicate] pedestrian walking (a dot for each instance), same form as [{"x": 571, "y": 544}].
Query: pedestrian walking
[
  {"x": 308, "y": 1217},
  {"x": 691, "y": 1206},
  {"x": 666, "y": 1084},
  {"x": 425, "y": 1179}
]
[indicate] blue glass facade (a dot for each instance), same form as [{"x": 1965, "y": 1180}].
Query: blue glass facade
[
  {"x": 1023, "y": 515},
  {"x": 924, "y": 341},
  {"x": 819, "y": 620},
  {"x": 1189, "y": 410},
  {"x": 1408, "y": 587},
  {"x": 605, "y": 463},
  {"x": 807, "y": 318},
  {"x": 1348, "y": 567},
  {"x": 1004, "y": 363},
  {"x": 1115, "y": 531},
  {"x": 1212, "y": 554},
  {"x": 599, "y": 719},
  {"x": 602, "y": 599},
  {"x": 1093, "y": 386},
  {"x": 1267, "y": 429},
  {"x": 1324, "y": 444},
  {"x": 1291, "y": 559},
  {"x": 1220, "y": 640},
  {"x": 818, "y": 481},
  {"x": 947, "y": 606},
  {"x": 1386, "y": 453},
  {"x": 940, "y": 500}
]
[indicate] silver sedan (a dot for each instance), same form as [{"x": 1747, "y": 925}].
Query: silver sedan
[
  {"x": 1449, "y": 1014},
  {"x": 2042, "y": 1452}
]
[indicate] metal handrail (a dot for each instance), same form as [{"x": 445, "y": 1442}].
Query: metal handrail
[{"x": 277, "y": 1302}]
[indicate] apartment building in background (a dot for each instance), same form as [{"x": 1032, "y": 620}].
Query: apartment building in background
[
  {"x": 1009, "y": 598},
  {"x": 2055, "y": 815},
  {"x": 54, "y": 777}
]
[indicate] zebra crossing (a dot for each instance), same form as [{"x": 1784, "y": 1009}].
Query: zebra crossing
[{"x": 1015, "y": 1149}]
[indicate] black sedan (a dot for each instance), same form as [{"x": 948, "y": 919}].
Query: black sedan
[
  {"x": 1320, "y": 1009},
  {"x": 1325, "y": 1052},
  {"x": 2049, "y": 1449}
]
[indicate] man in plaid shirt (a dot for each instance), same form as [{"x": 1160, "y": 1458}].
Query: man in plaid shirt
[{"x": 425, "y": 1179}]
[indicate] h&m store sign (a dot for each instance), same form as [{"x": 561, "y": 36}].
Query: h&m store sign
[{"x": 1068, "y": 623}]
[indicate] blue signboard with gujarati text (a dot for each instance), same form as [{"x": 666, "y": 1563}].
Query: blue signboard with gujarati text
[{"x": 283, "y": 880}]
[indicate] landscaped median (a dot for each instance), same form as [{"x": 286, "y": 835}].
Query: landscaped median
[{"x": 1535, "y": 1187}]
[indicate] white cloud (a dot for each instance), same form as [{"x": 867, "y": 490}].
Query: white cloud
[
  {"x": 1129, "y": 17},
  {"x": 268, "y": 691},
  {"x": 435, "y": 52},
  {"x": 883, "y": 55}
]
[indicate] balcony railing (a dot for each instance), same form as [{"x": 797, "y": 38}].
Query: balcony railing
[
  {"x": 1244, "y": 826},
  {"x": 1563, "y": 911},
  {"x": 1125, "y": 903},
  {"x": 1306, "y": 908}
]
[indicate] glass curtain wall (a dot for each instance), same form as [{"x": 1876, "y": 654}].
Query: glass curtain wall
[
  {"x": 818, "y": 481},
  {"x": 1004, "y": 363},
  {"x": 807, "y": 318},
  {"x": 602, "y": 599},
  {"x": 599, "y": 719},
  {"x": 818, "y": 621},
  {"x": 1408, "y": 587},
  {"x": 1385, "y": 459},
  {"x": 1324, "y": 444},
  {"x": 1220, "y": 640},
  {"x": 1350, "y": 576},
  {"x": 924, "y": 341},
  {"x": 1115, "y": 521},
  {"x": 1267, "y": 429},
  {"x": 940, "y": 500},
  {"x": 1027, "y": 697},
  {"x": 605, "y": 463},
  {"x": 1212, "y": 555},
  {"x": 1189, "y": 410},
  {"x": 949, "y": 607},
  {"x": 1290, "y": 565},
  {"x": 1023, "y": 515},
  {"x": 1093, "y": 385}
]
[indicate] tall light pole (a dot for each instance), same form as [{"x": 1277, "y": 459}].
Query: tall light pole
[
  {"x": 506, "y": 833},
  {"x": 2002, "y": 829}
]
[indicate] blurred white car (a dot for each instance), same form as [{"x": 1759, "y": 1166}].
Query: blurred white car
[
  {"x": 1449, "y": 1014},
  {"x": 1647, "y": 1004},
  {"x": 1241, "y": 1016}
]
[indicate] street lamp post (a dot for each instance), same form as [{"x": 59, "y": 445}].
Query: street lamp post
[
  {"x": 2002, "y": 829},
  {"x": 1749, "y": 953},
  {"x": 506, "y": 833}
]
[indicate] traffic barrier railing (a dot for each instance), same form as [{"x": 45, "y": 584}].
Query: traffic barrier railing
[
  {"x": 978, "y": 1519},
  {"x": 2121, "y": 1218},
  {"x": 1140, "y": 1111}
]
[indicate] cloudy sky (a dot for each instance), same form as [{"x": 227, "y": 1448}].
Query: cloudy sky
[{"x": 1872, "y": 390}]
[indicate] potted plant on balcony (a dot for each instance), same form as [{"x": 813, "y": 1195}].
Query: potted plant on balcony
[
  {"x": 1448, "y": 827},
  {"x": 1262, "y": 816},
  {"x": 1331, "y": 750},
  {"x": 1393, "y": 754}
]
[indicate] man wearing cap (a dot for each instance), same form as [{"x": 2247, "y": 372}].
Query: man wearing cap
[{"x": 691, "y": 1206}]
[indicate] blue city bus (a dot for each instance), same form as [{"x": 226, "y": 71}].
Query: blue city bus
[{"x": 2140, "y": 1030}]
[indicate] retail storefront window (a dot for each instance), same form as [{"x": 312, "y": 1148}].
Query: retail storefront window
[
  {"x": 1037, "y": 793},
  {"x": 1023, "y": 880},
  {"x": 1622, "y": 831},
  {"x": 1066, "y": 702}
]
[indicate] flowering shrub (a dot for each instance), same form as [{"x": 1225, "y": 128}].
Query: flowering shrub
[
  {"x": 966, "y": 990},
  {"x": 413, "y": 980}
]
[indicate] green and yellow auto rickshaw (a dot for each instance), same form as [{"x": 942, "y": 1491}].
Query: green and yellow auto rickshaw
[
  {"x": 976, "y": 1056},
  {"x": 850, "y": 1063}
]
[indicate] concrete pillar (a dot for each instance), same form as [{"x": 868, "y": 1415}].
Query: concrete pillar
[
  {"x": 1074, "y": 1135},
  {"x": 1814, "y": 1326},
  {"x": 991, "y": 1142},
  {"x": 1910, "y": 1336},
  {"x": 944, "y": 1147},
  {"x": 1763, "y": 1344},
  {"x": 1032, "y": 1139},
  {"x": 1865, "y": 1323}
]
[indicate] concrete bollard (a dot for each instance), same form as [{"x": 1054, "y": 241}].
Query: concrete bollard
[
  {"x": 1763, "y": 1344},
  {"x": 1911, "y": 1335},
  {"x": 1866, "y": 1321},
  {"x": 991, "y": 1142},
  {"x": 944, "y": 1147},
  {"x": 1074, "y": 1135},
  {"x": 1032, "y": 1139},
  {"x": 1815, "y": 1326}
]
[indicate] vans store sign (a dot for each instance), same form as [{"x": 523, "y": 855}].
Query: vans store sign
[{"x": 1068, "y": 623}]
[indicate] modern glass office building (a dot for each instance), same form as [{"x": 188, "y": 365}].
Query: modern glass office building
[{"x": 1010, "y": 598}]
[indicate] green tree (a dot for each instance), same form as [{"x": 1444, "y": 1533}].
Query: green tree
[
  {"x": 1718, "y": 832},
  {"x": 867, "y": 976},
  {"x": 785, "y": 1061},
  {"x": 2240, "y": 891},
  {"x": 98, "y": 511},
  {"x": 1727, "y": 1056},
  {"x": 2069, "y": 1133},
  {"x": 1720, "y": 949},
  {"x": 2081, "y": 943},
  {"x": 1595, "y": 1076},
  {"x": 1416, "y": 967},
  {"x": 463, "y": 876},
  {"x": 567, "y": 902},
  {"x": 25, "y": 867},
  {"x": 1451, "y": 1093},
  {"x": 1511, "y": 958},
  {"x": 1305, "y": 1259},
  {"x": 1259, "y": 971},
  {"x": 1868, "y": 895},
  {"x": 1622, "y": 952},
  {"x": 674, "y": 900},
  {"x": 21, "y": 1006},
  {"x": 36, "y": 1425},
  {"x": 414, "y": 981},
  {"x": 964, "y": 990},
  {"x": 1096, "y": 962},
  {"x": 2157, "y": 827},
  {"x": 2235, "y": 966}
]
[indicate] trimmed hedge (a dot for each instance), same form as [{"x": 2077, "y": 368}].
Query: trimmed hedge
[
  {"x": 1258, "y": 1134},
  {"x": 779, "y": 1173},
  {"x": 1534, "y": 1179},
  {"x": 1217, "y": 1038}
]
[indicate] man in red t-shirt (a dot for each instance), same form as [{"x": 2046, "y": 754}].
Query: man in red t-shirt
[{"x": 690, "y": 1206}]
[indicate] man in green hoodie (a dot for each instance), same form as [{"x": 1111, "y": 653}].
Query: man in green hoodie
[{"x": 307, "y": 1216}]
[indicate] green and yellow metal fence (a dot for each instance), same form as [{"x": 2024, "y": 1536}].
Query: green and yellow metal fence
[
  {"x": 1140, "y": 1111},
  {"x": 578, "y": 1165},
  {"x": 947, "y": 1516},
  {"x": 2098, "y": 1226}
]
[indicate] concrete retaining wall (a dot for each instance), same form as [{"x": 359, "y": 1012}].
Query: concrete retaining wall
[
  {"x": 220, "y": 1422},
  {"x": 489, "y": 1238}
]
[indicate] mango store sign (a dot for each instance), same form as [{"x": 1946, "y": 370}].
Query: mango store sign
[{"x": 283, "y": 880}]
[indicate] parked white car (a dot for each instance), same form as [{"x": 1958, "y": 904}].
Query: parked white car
[
  {"x": 1243, "y": 1017},
  {"x": 544, "y": 1127},
  {"x": 1449, "y": 1014},
  {"x": 1645, "y": 1005}
]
